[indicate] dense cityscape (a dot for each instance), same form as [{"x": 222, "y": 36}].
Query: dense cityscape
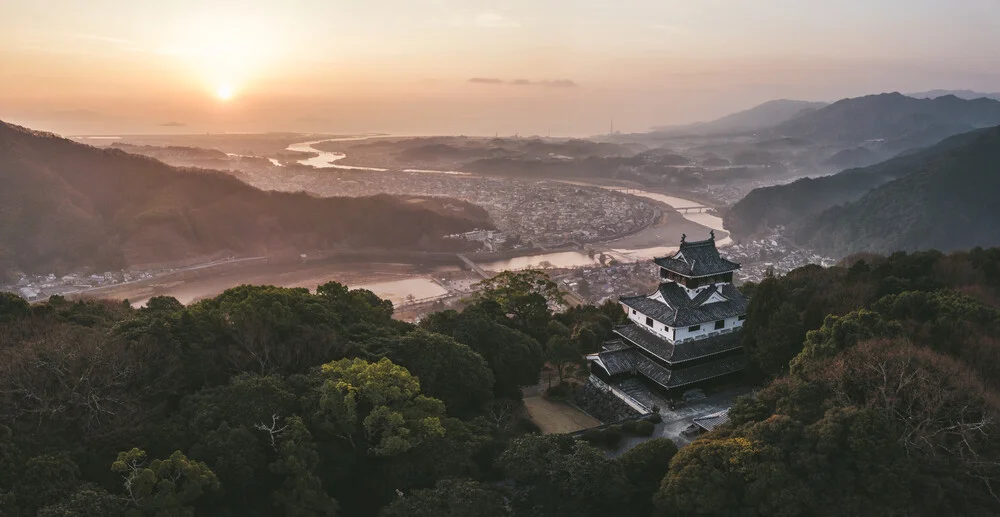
[{"x": 538, "y": 213}]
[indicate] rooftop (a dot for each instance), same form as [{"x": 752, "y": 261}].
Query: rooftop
[
  {"x": 677, "y": 310},
  {"x": 632, "y": 361},
  {"x": 696, "y": 259},
  {"x": 710, "y": 422},
  {"x": 669, "y": 352}
]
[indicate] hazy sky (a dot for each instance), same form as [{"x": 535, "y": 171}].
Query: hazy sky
[{"x": 469, "y": 66}]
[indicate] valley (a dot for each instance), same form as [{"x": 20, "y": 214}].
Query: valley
[{"x": 572, "y": 227}]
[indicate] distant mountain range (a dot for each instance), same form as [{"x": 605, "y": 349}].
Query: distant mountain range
[
  {"x": 941, "y": 197},
  {"x": 66, "y": 206},
  {"x": 890, "y": 123},
  {"x": 961, "y": 94},
  {"x": 853, "y": 132},
  {"x": 764, "y": 115},
  {"x": 948, "y": 202}
]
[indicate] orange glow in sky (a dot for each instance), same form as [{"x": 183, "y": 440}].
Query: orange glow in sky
[{"x": 556, "y": 67}]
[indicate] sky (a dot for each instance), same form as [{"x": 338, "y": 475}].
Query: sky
[{"x": 546, "y": 67}]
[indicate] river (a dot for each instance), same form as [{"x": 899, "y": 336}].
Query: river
[
  {"x": 562, "y": 259},
  {"x": 327, "y": 160}
]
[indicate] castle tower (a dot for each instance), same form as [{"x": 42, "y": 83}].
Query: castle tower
[{"x": 687, "y": 331}]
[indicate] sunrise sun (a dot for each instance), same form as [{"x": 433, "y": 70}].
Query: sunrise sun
[{"x": 224, "y": 92}]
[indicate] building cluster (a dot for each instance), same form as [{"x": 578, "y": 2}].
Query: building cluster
[
  {"x": 599, "y": 284},
  {"x": 534, "y": 213},
  {"x": 490, "y": 240},
  {"x": 773, "y": 254},
  {"x": 36, "y": 287}
]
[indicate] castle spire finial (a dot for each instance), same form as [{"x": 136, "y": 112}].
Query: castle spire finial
[
  {"x": 712, "y": 234},
  {"x": 683, "y": 236}
]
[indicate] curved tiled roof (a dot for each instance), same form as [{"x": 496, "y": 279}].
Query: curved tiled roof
[
  {"x": 635, "y": 363},
  {"x": 680, "y": 352},
  {"x": 698, "y": 258},
  {"x": 677, "y": 310}
]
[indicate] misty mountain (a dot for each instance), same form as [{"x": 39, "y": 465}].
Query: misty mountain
[
  {"x": 890, "y": 123},
  {"x": 949, "y": 202},
  {"x": 764, "y": 115},
  {"x": 961, "y": 94},
  {"x": 66, "y": 206},
  {"x": 852, "y": 158},
  {"x": 940, "y": 197}
]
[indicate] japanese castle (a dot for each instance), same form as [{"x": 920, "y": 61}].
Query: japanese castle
[{"x": 685, "y": 333}]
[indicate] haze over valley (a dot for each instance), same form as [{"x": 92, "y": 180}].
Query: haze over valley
[{"x": 434, "y": 258}]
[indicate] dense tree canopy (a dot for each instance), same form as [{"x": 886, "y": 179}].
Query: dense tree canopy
[{"x": 877, "y": 394}]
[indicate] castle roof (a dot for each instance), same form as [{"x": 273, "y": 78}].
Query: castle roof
[
  {"x": 672, "y": 353},
  {"x": 697, "y": 258},
  {"x": 631, "y": 361},
  {"x": 678, "y": 310}
]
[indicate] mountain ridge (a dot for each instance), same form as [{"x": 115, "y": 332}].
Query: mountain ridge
[
  {"x": 842, "y": 213},
  {"x": 961, "y": 94},
  {"x": 68, "y": 206},
  {"x": 891, "y": 122},
  {"x": 947, "y": 203},
  {"x": 760, "y": 116}
]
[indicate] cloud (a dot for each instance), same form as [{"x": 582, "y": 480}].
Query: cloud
[
  {"x": 558, "y": 83},
  {"x": 486, "y": 80},
  {"x": 173, "y": 124},
  {"x": 495, "y": 20}
]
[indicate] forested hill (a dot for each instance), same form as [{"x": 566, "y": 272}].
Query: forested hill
[
  {"x": 891, "y": 122},
  {"x": 65, "y": 205},
  {"x": 949, "y": 202},
  {"x": 794, "y": 204},
  {"x": 877, "y": 392}
]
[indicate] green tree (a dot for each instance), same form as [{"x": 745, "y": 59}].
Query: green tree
[
  {"x": 558, "y": 476},
  {"x": 706, "y": 478},
  {"x": 238, "y": 456},
  {"x": 301, "y": 494},
  {"x": 564, "y": 357},
  {"x": 514, "y": 357},
  {"x": 839, "y": 333},
  {"x": 779, "y": 341},
  {"x": 273, "y": 329},
  {"x": 164, "y": 487},
  {"x": 525, "y": 295},
  {"x": 87, "y": 501},
  {"x": 450, "y": 498},
  {"x": 381, "y": 398},
  {"x": 645, "y": 466},
  {"x": 12, "y": 307},
  {"x": 448, "y": 370},
  {"x": 30, "y": 484}
]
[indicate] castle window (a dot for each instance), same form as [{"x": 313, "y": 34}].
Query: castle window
[
  {"x": 649, "y": 322},
  {"x": 694, "y": 328},
  {"x": 721, "y": 324},
  {"x": 743, "y": 317}
]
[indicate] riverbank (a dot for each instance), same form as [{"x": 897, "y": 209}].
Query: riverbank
[{"x": 412, "y": 277}]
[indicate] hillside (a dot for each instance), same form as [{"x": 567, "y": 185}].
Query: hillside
[
  {"x": 793, "y": 204},
  {"x": 891, "y": 122},
  {"x": 947, "y": 203},
  {"x": 961, "y": 94},
  {"x": 763, "y": 115},
  {"x": 68, "y": 206}
]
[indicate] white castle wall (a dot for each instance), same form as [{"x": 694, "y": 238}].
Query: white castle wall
[{"x": 682, "y": 334}]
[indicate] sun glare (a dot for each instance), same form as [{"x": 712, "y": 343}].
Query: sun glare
[
  {"x": 225, "y": 52},
  {"x": 224, "y": 92}
]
